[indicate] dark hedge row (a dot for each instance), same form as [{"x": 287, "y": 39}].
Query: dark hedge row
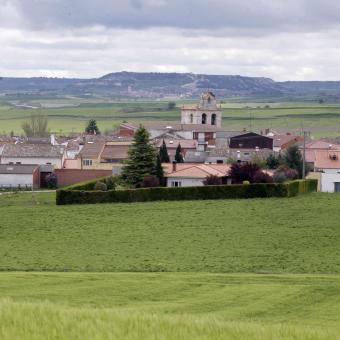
[{"x": 71, "y": 196}]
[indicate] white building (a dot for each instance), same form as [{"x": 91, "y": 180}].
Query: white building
[
  {"x": 206, "y": 112},
  {"x": 327, "y": 165},
  {"x": 189, "y": 175},
  {"x": 14, "y": 176},
  {"x": 39, "y": 154}
]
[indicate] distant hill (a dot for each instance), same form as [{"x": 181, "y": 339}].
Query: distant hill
[{"x": 161, "y": 85}]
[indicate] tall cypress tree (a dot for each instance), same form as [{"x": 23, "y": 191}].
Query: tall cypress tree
[
  {"x": 92, "y": 127},
  {"x": 163, "y": 153},
  {"x": 142, "y": 159},
  {"x": 179, "y": 157},
  {"x": 159, "y": 170}
]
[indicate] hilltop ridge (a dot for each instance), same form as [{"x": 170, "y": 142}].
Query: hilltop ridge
[{"x": 160, "y": 85}]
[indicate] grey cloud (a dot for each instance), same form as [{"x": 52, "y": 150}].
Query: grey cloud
[{"x": 239, "y": 17}]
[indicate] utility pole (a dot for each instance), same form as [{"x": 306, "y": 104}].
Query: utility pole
[{"x": 304, "y": 156}]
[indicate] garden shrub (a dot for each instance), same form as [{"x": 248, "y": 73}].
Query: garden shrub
[
  {"x": 262, "y": 177},
  {"x": 240, "y": 172},
  {"x": 111, "y": 182},
  {"x": 212, "y": 180},
  {"x": 100, "y": 186},
  {"x": 52, "y": 181}
]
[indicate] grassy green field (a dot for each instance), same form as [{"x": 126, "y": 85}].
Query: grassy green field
[
  {"x": 226, "y": 269},
  {"x": 320, "y": 119},
  {"x": 168, "y": 306},
  {"x": 297, "y": 235}
]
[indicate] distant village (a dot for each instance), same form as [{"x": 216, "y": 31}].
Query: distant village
[{"x": 206, "y": 149}]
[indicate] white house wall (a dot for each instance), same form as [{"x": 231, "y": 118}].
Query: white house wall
[
  {"x": 15, "y": 180},
  {"x": 328, "y": 179},
  {"x": 56, "y": 162},
  {"x": 186, "y": 182}
]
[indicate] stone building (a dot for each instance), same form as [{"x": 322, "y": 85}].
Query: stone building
[{"x": 206, "y": 112}]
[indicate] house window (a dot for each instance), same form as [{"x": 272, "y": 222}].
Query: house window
[
  {"x": 191, "y": 118},
  {"x": 204, "y": 118},
  {"x": 176, "y": 183},
  {"x": 87, "y": 162},
  {"x": 18, "y": 163},
  {"x": 213, "y": 119},
  {"x": 337, "y": 187}
]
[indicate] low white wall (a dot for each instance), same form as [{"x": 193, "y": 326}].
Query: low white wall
[{"x": 15, "y": 180}]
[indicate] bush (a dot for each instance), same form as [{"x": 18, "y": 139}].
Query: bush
[
  {"x": 212, "y": 180},
  {"x": 273, "y": 162},
  {"x": 279, "y": 177},
  {"x": 100, "y": 186},
  {"x": 240, "y": 172},
  {"x": 111, "y": 182},
  {"x": 259, "y": 161},
  {"x": 262, "y": 177},
  {"x": 283, "y": 173},
  {"x": 52, "y": 181},
  {"x": 187, "y": 193},
  {"x": 150, "y": 182},
  {"x": 292, "y": 174}
]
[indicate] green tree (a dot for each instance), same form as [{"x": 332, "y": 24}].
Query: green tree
[
  {"x": 36, "y": 126},
  {"x": 178, "y": 156},
  {"x": 92, "y": 127},
  {"x": 142, "y": 159},
  {"x": 159, "y": 170},
  {"x": 259, "y": 161},
  {"x": 273, "y": 162},
  {"x": 163, "y": 153},
  {"x": 171, "y": 105},
  {"x": 292, "y": 158}
]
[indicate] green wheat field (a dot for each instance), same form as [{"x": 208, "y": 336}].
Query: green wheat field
[{"x": 226, "y": 269}]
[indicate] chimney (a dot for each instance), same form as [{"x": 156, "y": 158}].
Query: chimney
[
  {"x": 174, "y": 166},
  {"x": 53, "y": 140}
]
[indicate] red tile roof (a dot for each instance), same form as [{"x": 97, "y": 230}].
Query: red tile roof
[
  {"x": 322, "y": 145},
  {"x": 92, "y": 150},
  {"x": 173, "y": 143},
  {"x": 118, "y": 152},
  {"x": 284, "y": 140},
  {"x": 196, "y": 170},
  {"x": 327, "y": 159}
]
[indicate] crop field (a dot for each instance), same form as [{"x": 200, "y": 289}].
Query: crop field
[
  {"x": 297, "y": 235},
  {"x": 168, "y": 306},
  {"x": 225, "y": 269},
  {"x": 71, "y": 115}
]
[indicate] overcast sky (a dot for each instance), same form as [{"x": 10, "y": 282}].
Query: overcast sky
[{"x": 280, "y": 39}]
